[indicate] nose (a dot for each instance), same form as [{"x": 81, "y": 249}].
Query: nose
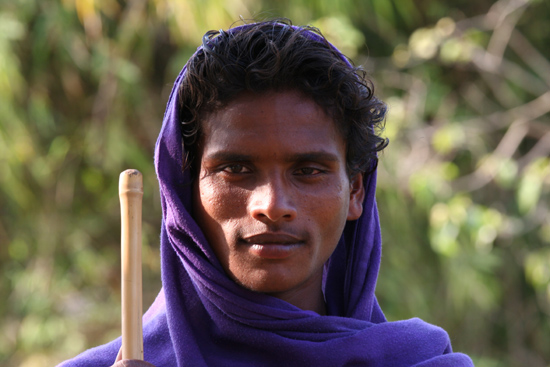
[{"x": 272, "y": 202}]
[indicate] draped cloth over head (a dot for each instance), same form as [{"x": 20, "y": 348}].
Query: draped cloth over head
[{"x": 203, "y": 318}]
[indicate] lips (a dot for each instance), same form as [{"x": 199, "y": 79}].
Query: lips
[
  {"x": 273, "y": 245},
  {"x": 272, "y": 238}
]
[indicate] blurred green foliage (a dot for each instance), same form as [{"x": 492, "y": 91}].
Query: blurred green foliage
[{"x": 464, "y": 186}]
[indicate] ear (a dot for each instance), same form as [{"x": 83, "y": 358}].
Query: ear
[{"x": 356, "y": 197}]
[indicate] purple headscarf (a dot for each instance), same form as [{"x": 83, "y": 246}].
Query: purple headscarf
[{"x": 203, "y": 318}]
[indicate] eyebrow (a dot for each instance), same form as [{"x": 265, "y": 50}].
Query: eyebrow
[
  {"x": 313, "y": 156},
  {"x": 319, "y": 156},
  {"x": 228, "y": 157}
]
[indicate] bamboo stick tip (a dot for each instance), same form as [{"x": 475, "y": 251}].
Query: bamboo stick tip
[{"x": 130, "y": 180}]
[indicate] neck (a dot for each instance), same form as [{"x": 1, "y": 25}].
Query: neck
[
  {"x": 316, "y": 304},
  {"x": 308, "y": 296}
]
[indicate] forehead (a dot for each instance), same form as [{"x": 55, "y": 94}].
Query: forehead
[{"x": 281, "y": 121}]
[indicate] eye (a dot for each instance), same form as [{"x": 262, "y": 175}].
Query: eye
[
  {"x": 308, "y": 171},
  {"x": 235, "y": 168}
]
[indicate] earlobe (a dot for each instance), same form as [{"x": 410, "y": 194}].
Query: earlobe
[{"x": 357, "y": 195}]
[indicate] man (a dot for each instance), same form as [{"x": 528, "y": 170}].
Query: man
[{"x": 270, "y": 241}]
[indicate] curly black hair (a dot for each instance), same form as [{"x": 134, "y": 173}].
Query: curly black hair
[{"x": 276, "y": 56}]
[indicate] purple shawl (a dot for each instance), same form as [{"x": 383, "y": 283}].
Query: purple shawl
[{"x": 202, "y": 318}]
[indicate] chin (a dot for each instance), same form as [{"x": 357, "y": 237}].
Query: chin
[{"x": 265, "y": 283}]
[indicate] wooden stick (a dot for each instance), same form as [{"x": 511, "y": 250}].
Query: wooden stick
[{"x": 130, "y": 189}]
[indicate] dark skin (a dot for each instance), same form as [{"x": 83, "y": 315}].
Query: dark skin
[{"x": 273, "y": 194}]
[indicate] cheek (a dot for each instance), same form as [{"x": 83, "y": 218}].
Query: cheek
[
  {"x": 330, "y": 213},
  {"x": 335, "y": 204},
  {"x": 220, "y": 202},
  {"x": 217, "y": 211}
]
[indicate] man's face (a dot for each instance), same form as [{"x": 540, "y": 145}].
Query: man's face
[{"x": 273, "y": 195}]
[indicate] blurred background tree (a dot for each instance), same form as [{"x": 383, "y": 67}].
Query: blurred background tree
[{"x": 464, "y": 186}]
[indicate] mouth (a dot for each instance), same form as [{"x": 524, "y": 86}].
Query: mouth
[{"x": 273, "y": 246}]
